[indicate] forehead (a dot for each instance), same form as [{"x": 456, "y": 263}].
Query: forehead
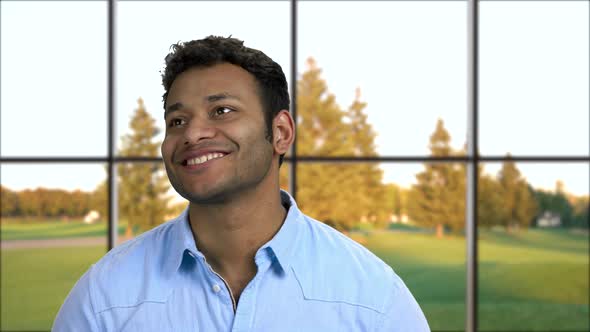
[{"x": 203, "y": 81}]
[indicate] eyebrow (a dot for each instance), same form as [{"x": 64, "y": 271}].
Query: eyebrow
[
  {"x": 220, "y": 96},
  {"x": 209, "y": 99},
  {"x": 172, "y": 108}
]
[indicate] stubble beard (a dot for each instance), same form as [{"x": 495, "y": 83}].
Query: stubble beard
[{"x": 244, "y": 179}]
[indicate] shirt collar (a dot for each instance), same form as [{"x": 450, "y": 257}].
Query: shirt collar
[
  {"x": 181, "y": 243},
  {"x": 282, "y": 245}
]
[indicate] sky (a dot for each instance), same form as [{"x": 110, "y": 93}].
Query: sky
[{"x": 408, "y": 58}]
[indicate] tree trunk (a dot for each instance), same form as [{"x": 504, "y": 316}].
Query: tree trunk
[
  {"x": 509, "y": 228},
  {"x": 439, "y": 231},
  {"x": 128, "y": 233}
]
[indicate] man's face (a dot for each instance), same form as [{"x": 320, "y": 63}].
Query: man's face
[{"x": 215, "y": 144}]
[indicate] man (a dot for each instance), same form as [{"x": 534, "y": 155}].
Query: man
[{"x": 242, "y": 257}]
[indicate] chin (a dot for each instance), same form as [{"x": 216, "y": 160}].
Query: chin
[
  {"x": 217, "y": 195},
  {"x": 206, "y": 198}
]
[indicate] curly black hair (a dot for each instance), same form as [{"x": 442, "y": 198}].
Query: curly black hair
[{"x": 272, "y": 84}]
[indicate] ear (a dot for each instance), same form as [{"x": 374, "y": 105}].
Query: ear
[{"x": 283, "y": 128}]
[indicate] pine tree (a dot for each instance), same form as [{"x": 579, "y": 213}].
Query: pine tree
[
  {"x": 438, "y": 198},
  {"x": 320, "y": 120},
  {"x": 509, "y": 178},
  {"x": 341, "y": 195},
  {"x": 321, "y": 131},
  {"x": 562, "y": 205},
  {"x": 362, "y": 136},
  {"x": 396, "y": 202},
  {"x": 519, "y": 206},
  {"x": 371, "y": 195},
  {"x": 527, "y": 207},
  {"x": 581, "y": 206},
  {"x": 142, "y": 186},
  {"x": 489, "y": 200},
  {"x": 99, "y": 200}
]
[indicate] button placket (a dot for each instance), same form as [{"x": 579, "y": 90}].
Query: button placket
[
  {"x": 216, "y": 288},
  {"x": 245, "y": 312},
  {"x": 216, "y": 281},
  {"x": 215, "y": 274}
]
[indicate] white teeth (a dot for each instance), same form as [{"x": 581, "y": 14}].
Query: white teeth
[{"x": 204, "y": 158}]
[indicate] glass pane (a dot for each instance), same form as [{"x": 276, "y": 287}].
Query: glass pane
[
  {"x": 391, "y": 69},
  {"x": 54, "y": 77},
  {"x": 146, "y": 198},
  {"x": 144, "y": 40},
  {"x": 534, "y": 77},
  {"x": 533, "y": 247},
  {"x": 411, "y": 215},
  {"x": 53, "y": 227},
  {"x": 285, "y": 176}
]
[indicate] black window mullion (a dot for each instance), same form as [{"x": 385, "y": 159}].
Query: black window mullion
[
  {"x": 111, "y": 169},
  {"x": 472, "y": 176},
  {"x": 293, "y": 164}
]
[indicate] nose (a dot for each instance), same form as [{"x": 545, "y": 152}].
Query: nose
[{"x": 198, "y": 130}]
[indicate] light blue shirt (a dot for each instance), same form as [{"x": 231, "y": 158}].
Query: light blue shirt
[{"x": 310, "y": 278}]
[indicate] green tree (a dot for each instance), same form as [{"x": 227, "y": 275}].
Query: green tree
[
  {"x": 322, "y": 131},
  {"x": 371, "y": 194},
  {"x": 527, "y": 207},
  {"x": 489, "y": 200},
  {"x": 438, "y": 198},
  {"x": 99, "y": 200},
  {"x": 30, "y": 203},
  {"x": 52, "y": 202},
  {"x": 581, "y": 208},
  {"x": 394, "y": 200},
  {"x": 562, "y": 204},
  {"x": 341, "y": 195},
  {"x": 556, "y": 202},
  {"x": 143, "y": 201},
  {"x": 8, "y": 202},
  {"x": 519, "y": 206},
  {"x": 49, "y": 203},
  {"x": 78, "y": 203}
]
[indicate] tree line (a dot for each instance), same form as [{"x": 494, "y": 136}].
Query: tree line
[
  {"x": 344, "y": 195},
  {"x": 47, "y": 203},
  {"x": 506, "y": 199},
  {"x": 143, "y": 196}
]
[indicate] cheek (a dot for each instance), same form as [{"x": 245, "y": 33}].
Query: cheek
[
  {"x": 167, "y": 148},
  {"x": 255, "y": 131}
]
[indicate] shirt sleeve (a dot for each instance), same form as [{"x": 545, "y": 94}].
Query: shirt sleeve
[
  {"x": 77, "y": 313},
  {"x": 402, "y": 312}
]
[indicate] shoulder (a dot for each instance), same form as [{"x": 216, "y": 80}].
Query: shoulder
[
  {"x": 331, "y": 266},
  {"x": 131, "y": 273}
]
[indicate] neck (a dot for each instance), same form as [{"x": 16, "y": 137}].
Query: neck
[{"x": 230, "y": 234}]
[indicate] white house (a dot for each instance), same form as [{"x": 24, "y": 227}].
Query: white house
[
  {"x": 549, "y": 219},
  {"x": 91, "y": 217}
]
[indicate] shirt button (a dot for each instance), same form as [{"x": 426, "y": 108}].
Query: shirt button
[{"x": 216, "y": 288}]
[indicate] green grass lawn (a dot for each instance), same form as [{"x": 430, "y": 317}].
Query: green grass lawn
[
  {"x": 35, "y": 282},
  {"x": 533, "y": 281},
  {"x": 53, "y": 229}
]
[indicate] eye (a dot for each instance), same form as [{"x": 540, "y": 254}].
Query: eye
[
  {"x": 222, "y": 111},
  {"x": 176, "y": 122}
]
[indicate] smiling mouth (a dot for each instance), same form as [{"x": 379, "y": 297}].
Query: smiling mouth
[{"x": 203, "y": 159}]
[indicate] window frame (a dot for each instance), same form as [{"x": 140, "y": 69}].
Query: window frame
[{"x": 472, "y": 159}]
